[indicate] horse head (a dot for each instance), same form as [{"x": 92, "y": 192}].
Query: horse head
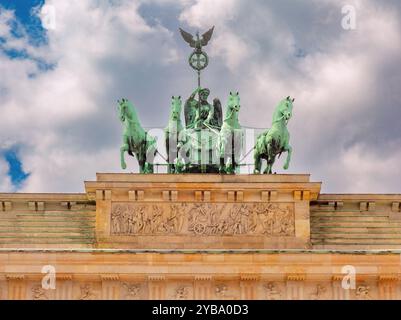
[
  {"x": 176, "y": 105},
  {"x": 122, "y": 109},
  {"x": 233, "y": 105},
  {"x": 126, "y": 110},
  {"x": 284, "y": 110}
]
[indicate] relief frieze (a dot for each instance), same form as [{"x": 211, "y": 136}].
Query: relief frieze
[{"x": 203, "y": 219}]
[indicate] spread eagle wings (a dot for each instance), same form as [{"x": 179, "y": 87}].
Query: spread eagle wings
[
  {"x": 192, "y": 42},
  {"x": 218, "y": 113},
  {"x": 188, "y": 38},
  {"x": 207, "y": 36}
]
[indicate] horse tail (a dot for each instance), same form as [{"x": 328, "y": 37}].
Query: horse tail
[
  {"x": 150, "y": 145},
  {"x": 260, "y": 143}
]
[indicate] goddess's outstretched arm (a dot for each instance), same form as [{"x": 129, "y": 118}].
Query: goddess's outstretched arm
[{"x": 195, "y": 92}]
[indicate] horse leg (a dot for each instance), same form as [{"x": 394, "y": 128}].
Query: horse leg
[
  {"x": 258, "y": 163},
  {"x": 270, "y": 156},
  {"x": 235, "y": 154},
  {"x": 231, "y": 166},
  {"x": 178, "y": 162},
  {"x": 174, "y": 156},
  {"x": 142, "y": 160},
  {"x": 141, "y": 164},
  {"x": 150, "y": 157},
  {"x": 124, "y": 148},
  {"x": 222, "y": 165},
  {"x": 222, "y": 152},
  {"x": 269, "y": 167},
  {"x": 287, "y": 148},
  {"x": 183, "y": 148},
  {"x": 169, "y": 165},
  {"x": 181, "y": 157}
]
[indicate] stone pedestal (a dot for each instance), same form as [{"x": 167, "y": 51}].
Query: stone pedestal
[
  {"x": 202, "y": 211},
  {"x": 200, "y": 237}
]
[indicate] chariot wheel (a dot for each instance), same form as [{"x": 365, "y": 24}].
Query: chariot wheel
[{"x": 199, "y": 228}]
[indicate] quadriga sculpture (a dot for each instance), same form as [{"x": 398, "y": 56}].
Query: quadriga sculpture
[
  {"x": 135, "y": 139},
  {"x": 230, "y": 139},
  {"x": 275, "y": 140},
  {"x": 172, "y": 134}
]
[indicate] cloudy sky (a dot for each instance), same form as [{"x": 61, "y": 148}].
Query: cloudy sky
[{"x": 63, "y": 65}]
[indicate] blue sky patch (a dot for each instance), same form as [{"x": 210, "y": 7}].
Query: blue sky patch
[
  {"x": 16, "y": 172},
  {"x": 31, "y": 23}
]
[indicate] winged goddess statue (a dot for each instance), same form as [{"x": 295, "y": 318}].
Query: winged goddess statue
[{"x": 199, "y": 112}]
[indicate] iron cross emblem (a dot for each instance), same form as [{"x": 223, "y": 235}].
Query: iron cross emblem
[{"x": 198, "y": 60}]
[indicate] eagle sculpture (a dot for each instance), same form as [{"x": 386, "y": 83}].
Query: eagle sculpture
[{"x": 197, "y": 42}]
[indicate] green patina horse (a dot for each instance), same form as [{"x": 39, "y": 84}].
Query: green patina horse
[
  {"x": 135, "y": 139},
  {"x": 172, "y": 134},
  {"x": 230, "y": 139},
  {"x": 275, "y": 140}
]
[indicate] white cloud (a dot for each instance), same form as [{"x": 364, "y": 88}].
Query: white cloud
[
  {"x": 41, "y": 112},
  {"x": 337, "y": 85},
  {"x": 345, "y": 86},
  {"x": 365, "y": 172},
  {"x": 203, "y": 13}
]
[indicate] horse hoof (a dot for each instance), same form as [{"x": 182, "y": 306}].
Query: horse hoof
[
  {"x": 123, "y": 166},
  {"x": 230, "y": 170},
  {"x": 256, "y": 171}
]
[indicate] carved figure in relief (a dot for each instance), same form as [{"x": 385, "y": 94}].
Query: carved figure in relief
[
  {"x": 87, "y": 292},
  {"x": 116, "y": 219},
  {"x": 125, "y": 218},
  {"x": 176, "y": 219},
  {"x": 214, "y": 221},
  {"x": 133, "y": 290},
  {"x": 319, "y": 293},
  {"x": 157, "y": 224},
  {"x": 363, "y": 292},
  {"x": 269, "y": 219},
  {"x": 235, "y": 223},
  {"x": 145, "y": 219},
  {"x": 138, "y": 219},
  {"x": 141, "y": 218},
  {"x": 252, "y": 220},
  {"x": 38, "y": 293},
  {"x": 181, "y": 293},
  {"x": 272, "y": 292},
  {"x": 221, "y": 290},
  {"x": 131, "y": 224},
  {"x": 285, "y": 221},
  {"x": 273, "y": 220},
  {"x": 198, "y": 218}
]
